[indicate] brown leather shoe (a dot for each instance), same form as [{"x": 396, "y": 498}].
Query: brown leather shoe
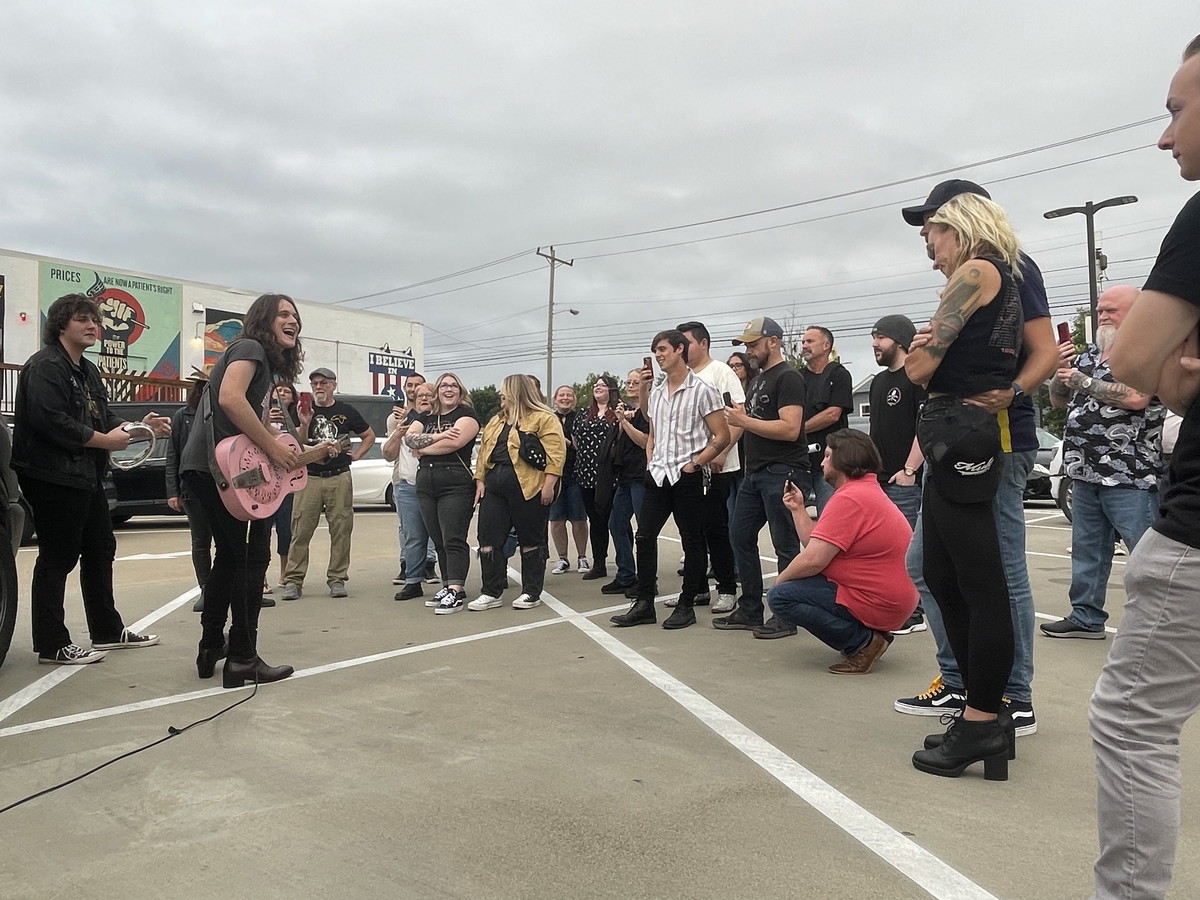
[{"x": 860, "y": 663}]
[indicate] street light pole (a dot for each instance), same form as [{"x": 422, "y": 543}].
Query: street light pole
[
  {"x": 1088, "y": 211},
  {"x": 554, "y": 261}
]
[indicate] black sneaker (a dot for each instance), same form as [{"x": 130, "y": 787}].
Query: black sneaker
[
  {"x": 431, "y": 575},
  {"x": 410, "y": 591},
  {"x": 1022, "y": 716},
  {"x": 916, "y": 622},
  {"x": 936, "y": 701},
  {"x": 71, "y": 655},
  {"x": 774, "y": 628},
  {"x": 128, "y": 640},
  {"x": 1069, "y": 628},
  {"x": 739, "y": 620},
  {"x": 451, "y": 602}
]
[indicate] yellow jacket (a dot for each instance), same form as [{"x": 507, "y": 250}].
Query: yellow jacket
[{"x": 546, "y": 426}]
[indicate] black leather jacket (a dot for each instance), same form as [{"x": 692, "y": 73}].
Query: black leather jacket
[{"x": 51, "y": 422}]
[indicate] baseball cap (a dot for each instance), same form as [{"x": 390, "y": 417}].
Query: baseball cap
[
  {"x": 915, "y": 215},
  {"x": 324, "y": 373},
  {"x": 759, "y": 328},
  {"x": 899, "y": 328}
]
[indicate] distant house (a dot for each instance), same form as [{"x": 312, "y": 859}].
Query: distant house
[{"x": 860, "y": 418}]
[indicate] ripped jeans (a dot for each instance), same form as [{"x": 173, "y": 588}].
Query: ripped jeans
[{"x": 504, "y": 506}]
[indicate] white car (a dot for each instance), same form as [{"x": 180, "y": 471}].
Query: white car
[
  {"x": 1060, "y": 485},
  {"x": 372, "y": 476}
]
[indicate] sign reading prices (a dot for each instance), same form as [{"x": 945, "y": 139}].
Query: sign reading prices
[
  {"x": 140, "y": 318},
  {"x": 388, "y": 370}
]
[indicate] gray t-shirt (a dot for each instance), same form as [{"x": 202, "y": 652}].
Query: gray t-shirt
[{"x": 258, "y": 395}]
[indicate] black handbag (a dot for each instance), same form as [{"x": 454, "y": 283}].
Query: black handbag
[{"x": 530, "y": 449}]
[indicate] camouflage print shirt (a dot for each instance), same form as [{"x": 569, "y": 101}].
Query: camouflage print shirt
[{"x": 1108, "y": 445}]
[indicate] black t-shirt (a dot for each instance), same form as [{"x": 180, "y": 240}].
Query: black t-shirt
[
  {"x": 258, "y": 395},
  {"x": 1177, "y": 272},
  {"x": 631, "y": 459},
  {"x": 894, "y": 404},
  {"x": 829, "y": 387},
  {"x": 500, "y": 455},
  {"x": 767, "y": 393},
  {"x": 434, "y": 423},
  {"x": 567, "y": 421},
  {"x": 329, "y": 423},
  {"x": 1022, "y": 424}
]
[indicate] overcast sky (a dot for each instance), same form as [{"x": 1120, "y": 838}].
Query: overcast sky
[{"x": 333, "y": 151}]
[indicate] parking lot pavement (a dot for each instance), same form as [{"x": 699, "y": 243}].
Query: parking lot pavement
[{"x": 529, "y": 754}]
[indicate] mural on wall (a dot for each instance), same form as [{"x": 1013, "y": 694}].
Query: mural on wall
[
  {"x": 220, "y": 328},
  {"x": 388, "y": 369},
  {"x": 140, "y": 320}
]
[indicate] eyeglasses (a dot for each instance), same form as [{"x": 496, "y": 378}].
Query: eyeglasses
[
  {"x": 737, "y": 365},
  {"x": 448, "y": 386}
]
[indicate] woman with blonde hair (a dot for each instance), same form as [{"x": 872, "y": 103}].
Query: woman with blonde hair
[
  {"x": 514, "y": 488},
  {"x": 972, "y": 348},
  {"x": 441, "y": 441}
]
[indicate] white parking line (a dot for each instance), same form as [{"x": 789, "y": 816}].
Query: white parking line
[{"x": 907, "y": 857}]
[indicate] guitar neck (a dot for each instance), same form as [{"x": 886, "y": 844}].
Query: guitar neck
[{"x": 317, "y": 454}]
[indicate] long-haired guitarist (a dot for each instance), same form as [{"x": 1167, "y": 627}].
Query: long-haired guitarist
[{"x": 240, "y": 391}]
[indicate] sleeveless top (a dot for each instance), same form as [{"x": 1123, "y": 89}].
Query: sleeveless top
[{"x": 984, "y": 357}]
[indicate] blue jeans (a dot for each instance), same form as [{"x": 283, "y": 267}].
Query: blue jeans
[
  {"x": 1009, "y": 508},
  {"x": 907, "y": 498},
  {"x": 810, "y": 603},
  {"x": 760, "y": 502},
  {"x": 1095, "y": 512},
  {"x": 414, "y": 539},
  {"x": 626, "y": 505}
]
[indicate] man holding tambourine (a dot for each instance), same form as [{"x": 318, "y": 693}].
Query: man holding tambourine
[{"x": 63, "y": 432}]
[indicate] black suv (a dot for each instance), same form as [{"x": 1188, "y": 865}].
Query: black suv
[
  {"x": 143, "y": 491},
  {"x": 12, "y": 518}
]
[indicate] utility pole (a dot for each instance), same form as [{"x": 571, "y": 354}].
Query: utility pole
[
  {"x": 554, "y": 261},
  {"x": 1088, "y": 211}
]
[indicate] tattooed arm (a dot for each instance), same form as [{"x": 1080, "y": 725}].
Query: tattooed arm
[
  {"x": 1110, "y": 393},
  {"x": 972, "y": 286}
]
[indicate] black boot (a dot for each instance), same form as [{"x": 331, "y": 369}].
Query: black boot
[
  {"x": 641, "y": 612},
  {"x": 1007, "y": 724},
  {"x": 967, "y": 742},
  {"x": 598, "y": 570},
  {"x": 206, "y": 660},
  {"x": 238, "y": 671},
  {"x": 683, "y": 616}
]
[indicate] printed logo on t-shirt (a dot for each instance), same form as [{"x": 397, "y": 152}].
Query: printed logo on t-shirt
[
  {"x": 324, "y": 429},
  {"x": 893, "y": 396}
]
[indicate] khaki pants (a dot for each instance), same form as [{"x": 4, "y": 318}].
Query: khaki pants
[{"x": 335, "y": 497}]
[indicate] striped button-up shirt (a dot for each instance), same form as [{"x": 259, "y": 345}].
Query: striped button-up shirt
[{"x": 680, "y": 431}]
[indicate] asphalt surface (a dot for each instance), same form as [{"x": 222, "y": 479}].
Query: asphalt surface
[{"x": 528, "y": 754}]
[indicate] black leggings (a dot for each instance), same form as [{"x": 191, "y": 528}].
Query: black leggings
[
  {"x": 597, "y": 525},
  {"x": 502, "y": 508},
  {"x": 962, "y": 563}
]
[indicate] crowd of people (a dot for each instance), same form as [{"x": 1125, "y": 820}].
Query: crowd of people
[{"x": 918, "y": 526}]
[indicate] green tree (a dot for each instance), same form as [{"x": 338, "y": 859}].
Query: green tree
[
  {"x": 486, "y": 401},
  {"x": 1053, "y": 419}
]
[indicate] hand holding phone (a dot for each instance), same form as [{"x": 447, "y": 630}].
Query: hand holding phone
[
  {"x": 648, "y": 363},
  {"x": 1064, "y": 332},
  {"x": 306, "y": 403},
  {"x": 727, "y": 398}
]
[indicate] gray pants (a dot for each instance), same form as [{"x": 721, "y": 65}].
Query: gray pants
[{"x": 1147, "y": 691}]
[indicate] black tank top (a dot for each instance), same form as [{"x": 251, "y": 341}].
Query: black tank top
[{"x": 984, "y": 357}]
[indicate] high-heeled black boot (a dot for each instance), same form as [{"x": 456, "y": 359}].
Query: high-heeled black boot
[
  {"x": 967, "y": 742},
  {"x": 206, "y": 660},
  {"x": 641, "y": 612},
  {"x": 238, "y": 671},
  {"x": 1004, "y": 717}
]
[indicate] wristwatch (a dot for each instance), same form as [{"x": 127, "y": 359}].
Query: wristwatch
[
  {"x": 1018, "y": 392},
  {"x": 1087, "y": 383},
  {"x": 910, "y": 471}
]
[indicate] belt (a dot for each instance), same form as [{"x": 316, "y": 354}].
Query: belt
[{"x": 329, "y": 474}]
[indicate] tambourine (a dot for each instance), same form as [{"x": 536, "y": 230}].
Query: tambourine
[{"x": 141, "y": 446}]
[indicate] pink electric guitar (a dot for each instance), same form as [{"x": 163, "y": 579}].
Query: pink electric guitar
[{"x": 257, "y": 486}]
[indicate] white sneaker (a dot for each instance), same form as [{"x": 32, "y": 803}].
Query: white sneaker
[
  {"x": 526, "y": 602},
  {"x": 561, "y": 567},
  {"x": 725, "y": 603},
  {"x": 484, "y": 601},
  {"x": 584, "y": 565}
]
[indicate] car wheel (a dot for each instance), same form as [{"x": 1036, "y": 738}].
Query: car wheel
[
  {"x": 390, "y": 498},
  {"x": 8, "y": 592},
  {"x": 1064, "y": 497}
]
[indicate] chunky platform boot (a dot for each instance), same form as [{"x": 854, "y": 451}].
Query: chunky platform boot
[{"x": 964, "y": 743}]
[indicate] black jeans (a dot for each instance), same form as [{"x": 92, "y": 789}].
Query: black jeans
[
  {"x": 502, "y": 508},
  {"x": 716, "y": 532},
  {"x": 234, "y": 588},
  {"x": 73, "y": 526},
  {"x": 201, "y": 533},
  {"x": 962, "y": 563},
  {"x": 447, "y": 496},
  {"x": 684, "y": 499},
  {"x": 597, "y": 525}
]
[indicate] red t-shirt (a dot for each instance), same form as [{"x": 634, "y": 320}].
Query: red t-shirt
[{"x": 873, "y": 535}]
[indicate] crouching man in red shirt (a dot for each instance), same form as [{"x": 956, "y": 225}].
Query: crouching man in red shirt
[{"x": 848, "y": 586}]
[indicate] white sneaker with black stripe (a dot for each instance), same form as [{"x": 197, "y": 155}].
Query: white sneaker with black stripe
[
  {"x": 71, "y": 655},
  {"x": 562, "y": 567}
]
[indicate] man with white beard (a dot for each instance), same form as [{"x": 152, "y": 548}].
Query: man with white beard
[{"x": 1112, "y": 452}]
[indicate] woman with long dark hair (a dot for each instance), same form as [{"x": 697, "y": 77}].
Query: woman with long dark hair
[
  {"x": 240, "y": 391},
  {"x": 743, "y": 367},
  {"x": 513, "y": 493},
  {"x": 595, "y": 437},
  {"x": 972, "y": 348},
  {"x": 441, "y": 440}
]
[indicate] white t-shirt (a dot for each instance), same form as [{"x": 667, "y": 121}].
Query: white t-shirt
[{"x": 720, "y": 376}]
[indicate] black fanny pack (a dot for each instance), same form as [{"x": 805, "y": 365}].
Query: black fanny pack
[{"x": 961, "y": 443}]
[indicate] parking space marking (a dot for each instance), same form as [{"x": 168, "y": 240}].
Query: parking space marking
[
  {"x": 28, "y": 694},
  {"x": 909, "y": 858}
]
